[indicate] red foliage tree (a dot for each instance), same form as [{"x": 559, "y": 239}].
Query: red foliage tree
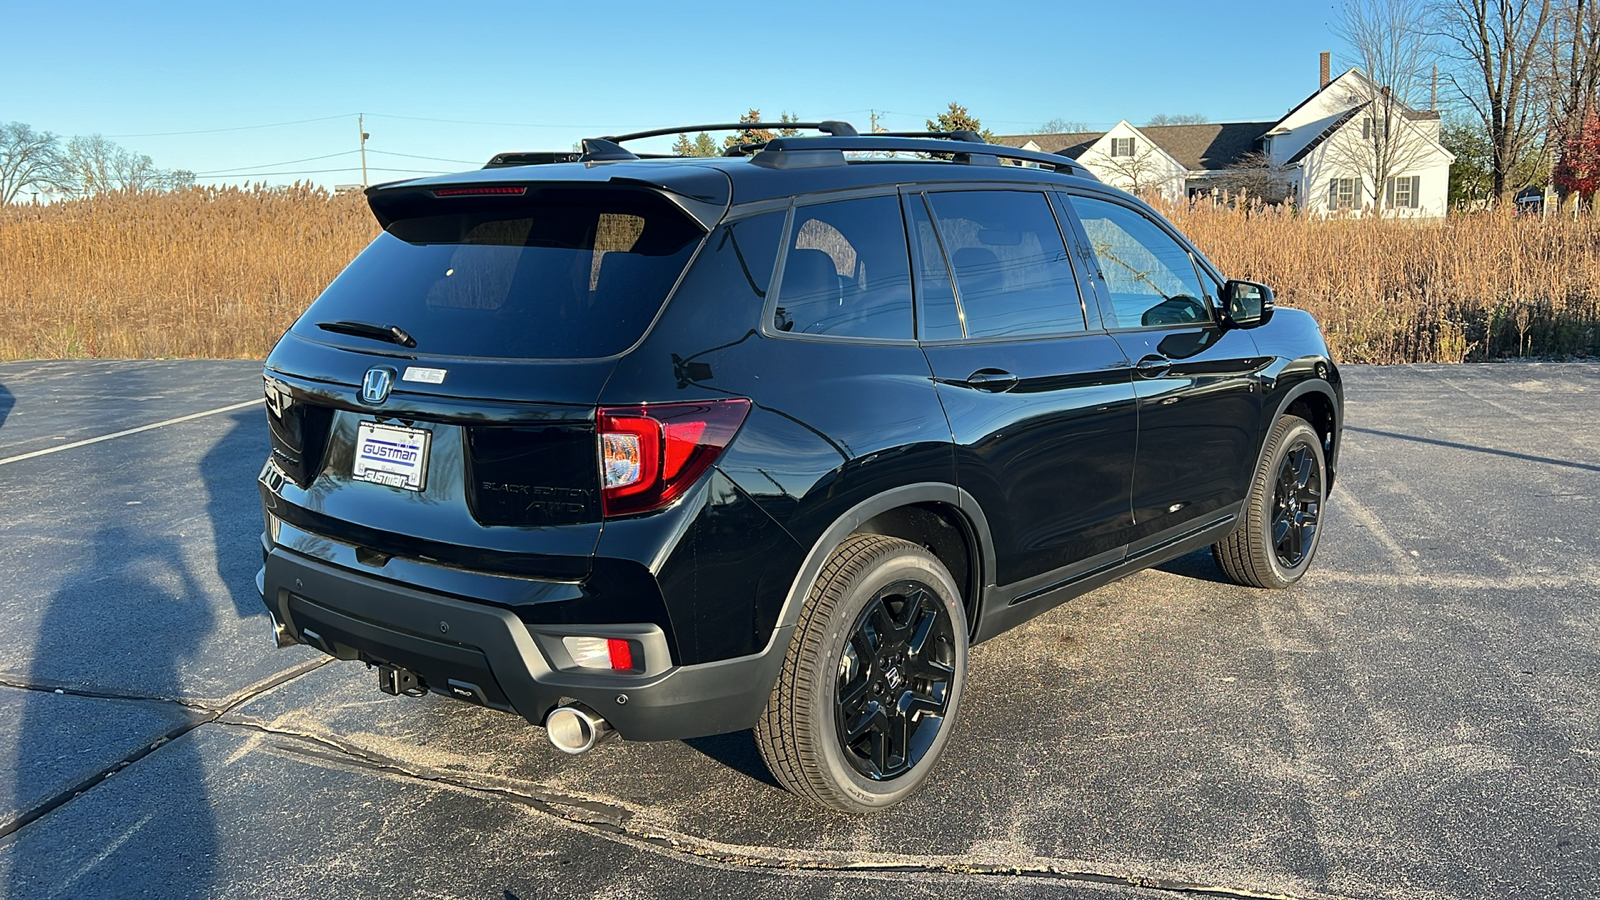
[{"x": 1578, "y": 160}]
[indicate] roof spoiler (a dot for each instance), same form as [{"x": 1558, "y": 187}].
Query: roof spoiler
[{"x": 531, "y": 158}]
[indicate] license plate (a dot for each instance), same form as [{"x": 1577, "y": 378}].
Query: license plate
[{"x": 391, "y": 454}]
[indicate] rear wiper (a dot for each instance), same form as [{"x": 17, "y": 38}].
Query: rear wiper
[{"x": 394, "y": 334}]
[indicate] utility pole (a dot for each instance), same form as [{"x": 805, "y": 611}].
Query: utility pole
[{"x": 361, "y": 125}]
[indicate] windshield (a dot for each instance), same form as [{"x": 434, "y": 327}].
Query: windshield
[{"x": 567, "y": 273}]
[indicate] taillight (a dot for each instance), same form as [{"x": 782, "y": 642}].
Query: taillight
[{"x": 650, "y": 455}]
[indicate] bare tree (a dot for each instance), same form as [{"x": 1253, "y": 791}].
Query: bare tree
[
  {"x": 1144, "y": 173},
  {"x": 1059, "y": 125},
  {"x": 1574, "y": 61},
  {"x": 95, "y": 165},
  {"x": 1255, "y": 175},
  {"x": 1179, "y": 119},
  {"x": 28, "y": 158},
  {"x": 1495, "y": 45},
  {"x": 1390, "y": 47}
]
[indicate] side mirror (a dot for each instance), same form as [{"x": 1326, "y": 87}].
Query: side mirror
[{"x": 1246, "y": 304}]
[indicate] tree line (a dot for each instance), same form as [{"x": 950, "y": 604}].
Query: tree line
[
  {"x": 1518, "y": 81},
  {"x": 79, "y": 167}
]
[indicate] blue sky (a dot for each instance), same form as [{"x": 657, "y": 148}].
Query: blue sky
[{"x": 458, "y": 82}]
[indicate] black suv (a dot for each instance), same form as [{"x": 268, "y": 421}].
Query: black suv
[{"x": 675, "y": 447}]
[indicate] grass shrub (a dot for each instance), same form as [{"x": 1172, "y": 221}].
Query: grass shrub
[
  {"x": 1470, "y": 287},
  {"x": 221, "y": 272},
  {"x": 201, "y": 272}
]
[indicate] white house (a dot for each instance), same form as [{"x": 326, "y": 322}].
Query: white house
[
  {"x": 1165, "y": 160},
  {"x": 1353, "y": 146},
  {"x": 1350, "y": 146}
]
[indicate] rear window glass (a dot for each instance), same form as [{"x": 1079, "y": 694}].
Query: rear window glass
[{"x": 564, "y": 274}]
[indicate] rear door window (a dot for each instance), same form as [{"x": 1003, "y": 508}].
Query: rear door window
[
  {"x": 1012, "y": 274},
  {"x": 564, "y": 274},
  {"x": 846, "y": 273}
]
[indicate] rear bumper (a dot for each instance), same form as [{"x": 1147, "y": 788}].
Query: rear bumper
[{"x": 486, "y": 655}]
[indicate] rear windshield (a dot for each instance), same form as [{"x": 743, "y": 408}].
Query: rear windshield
[{"x": 563, "y": 274}]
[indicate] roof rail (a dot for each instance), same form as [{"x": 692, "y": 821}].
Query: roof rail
[
  {"x": 610, "y": 146},
  {"x": 960, "y": 134},
  {"x": 786, "y": 152},
  {"x": 826, "y": 126}
]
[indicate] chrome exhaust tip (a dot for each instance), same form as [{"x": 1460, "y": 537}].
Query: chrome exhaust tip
[
  {"x": 576, "y": 729},
  {"x": 281, "y": 633}
]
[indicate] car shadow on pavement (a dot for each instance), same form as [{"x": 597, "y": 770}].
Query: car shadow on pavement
[
  {"x": 1509, "y": 454},
  {"x": 1198, "y": 565},
  {"x": 233, "y": 507},
  {"x": 131, "y": 595},
  {"x": 737, "y": 751}
]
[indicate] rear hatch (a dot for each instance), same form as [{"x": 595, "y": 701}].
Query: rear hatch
[{"x": 438, "y": 400}]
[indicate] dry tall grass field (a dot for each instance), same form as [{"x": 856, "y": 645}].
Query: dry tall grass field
[
  {"x": 222, "y": 272},
  {"x": 202, "y": 272}
]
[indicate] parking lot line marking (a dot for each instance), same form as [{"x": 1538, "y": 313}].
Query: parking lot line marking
[{"x": 106, "y": 437}]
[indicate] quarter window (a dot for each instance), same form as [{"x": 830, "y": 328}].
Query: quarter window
[
  {"x": 1150, "y": 277},
  {"x": 1011, "y": 269},
  {"x": 846, "y": 273}
]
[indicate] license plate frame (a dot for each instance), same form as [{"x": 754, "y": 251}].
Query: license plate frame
[{"x": 392, "y": 455}]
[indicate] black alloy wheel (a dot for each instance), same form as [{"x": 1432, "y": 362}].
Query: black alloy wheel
[
  {"x": 1279, "y": 527},
  {"x": 1297, "y": 502},
  {"x": 872, "y": 681},
  {"x": 895, "y": 679}
]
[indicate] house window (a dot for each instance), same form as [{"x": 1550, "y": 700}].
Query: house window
[
  {"x": 1404, "y": 192},
  {"x": 1342, "y": 193},
  {"x": 1122, "y": 146},
  {"x": 1371, "y": 128}
]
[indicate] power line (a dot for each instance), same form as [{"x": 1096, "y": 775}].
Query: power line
[
  {"x": 235, "y": 128},
  {"x": 287, "y": 162},
  {"x": 322, "y": 172},
  {"x": 494, "y": 124},
  {"x": 468, "y": 162}
]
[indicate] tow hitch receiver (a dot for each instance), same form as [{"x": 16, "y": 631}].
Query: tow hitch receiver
[{"x": 400, "y": 682}]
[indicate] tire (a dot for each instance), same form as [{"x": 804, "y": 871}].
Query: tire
[
  {"x": 878, "y": 594},
  {"x": 1274, "y": 545}
]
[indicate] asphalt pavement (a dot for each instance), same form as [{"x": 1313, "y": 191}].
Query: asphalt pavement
[{"x": 1419, "y": 718}]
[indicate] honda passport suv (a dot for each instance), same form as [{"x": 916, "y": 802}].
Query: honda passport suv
[{"x": 675, "y": 447}]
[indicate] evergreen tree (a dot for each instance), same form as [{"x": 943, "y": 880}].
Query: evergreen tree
[{"x": 956, "y": 118}]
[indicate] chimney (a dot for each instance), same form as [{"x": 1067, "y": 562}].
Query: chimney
[{"x": 1327, "y": 75}]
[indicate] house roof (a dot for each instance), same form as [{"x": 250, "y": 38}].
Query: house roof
[
  {"x": 1212, "y": 146},
  {"x": 1071, "y": 144},
  {"x": 1326, "y": 133}
]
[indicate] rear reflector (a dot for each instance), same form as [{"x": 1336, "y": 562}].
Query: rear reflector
[
  {"x": 651, "y": 455},
  {"x": 484, "y": 191},
  {"x": 615, "y": 654},
  {"x": 621, "y": 653}
]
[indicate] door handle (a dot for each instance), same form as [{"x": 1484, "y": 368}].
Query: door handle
[
  {"x": 1152, "y": 366},
  {"x": 995, "y": 381}
]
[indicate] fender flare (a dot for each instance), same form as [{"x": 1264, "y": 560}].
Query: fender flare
[
  {"x": 846, "y": 524},
  {"x": 1309, "y": 386}
]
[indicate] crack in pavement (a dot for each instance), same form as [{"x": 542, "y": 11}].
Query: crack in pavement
[
  {"x": 611, "y": 821},
  {"x": 203, "y": 704},
  {"x": 201, "y": 715}
]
